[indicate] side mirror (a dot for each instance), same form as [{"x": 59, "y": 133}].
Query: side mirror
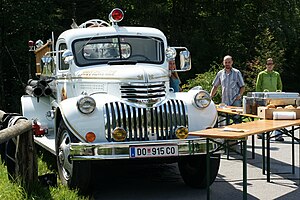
[
  {"x": 185, "y": 60},
  {"x": 184, "y": 57},
  {"x": 67, "y": 56}
]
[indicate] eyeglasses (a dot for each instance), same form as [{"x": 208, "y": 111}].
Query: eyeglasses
[{"x": 270, "y": 63}]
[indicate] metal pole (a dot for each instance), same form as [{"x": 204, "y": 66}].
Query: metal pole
[
  {"x": 253, "y": 141},
  {"x": 263, "y": 153},
  {"x": 29, "y": 65},
  {"x": 207, "y": 170},
  {"x": 1, "y": 58},
  {"x": 253, "y": 147},
  {"x": 268, "y": 157},
  {"x": 244, "y": 146},
  {"x": 293, "y": 150}
]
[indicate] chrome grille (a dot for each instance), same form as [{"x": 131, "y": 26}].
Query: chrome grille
[
  {"x": 133, "y": 91},
  {"x": 141, "y": 123}
]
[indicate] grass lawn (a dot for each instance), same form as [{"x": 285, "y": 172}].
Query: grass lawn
[{"x": 46, "y": 164}]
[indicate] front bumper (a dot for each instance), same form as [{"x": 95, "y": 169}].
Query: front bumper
[{"x": 118, "y": 150}]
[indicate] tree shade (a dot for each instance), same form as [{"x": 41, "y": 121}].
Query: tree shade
[{"x": 250, "y": 31}]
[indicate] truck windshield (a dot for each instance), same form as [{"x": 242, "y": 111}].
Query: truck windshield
[{"x": 92, "y": 51}]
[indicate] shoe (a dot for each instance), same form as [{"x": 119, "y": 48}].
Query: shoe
[
  {"x": 279, "y": 138},
  {"x": 259, "y": 136}
]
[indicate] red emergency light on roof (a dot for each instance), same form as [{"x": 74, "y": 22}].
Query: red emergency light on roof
[
  {"x": 31, "y": 43},
  {"x": 116, "y": 15}
]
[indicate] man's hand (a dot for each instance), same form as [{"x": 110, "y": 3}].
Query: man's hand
[{"x": 238, "y": 97}]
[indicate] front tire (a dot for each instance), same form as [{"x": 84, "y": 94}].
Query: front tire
[
  {"x": 74, "y": 174},
  {"x": 193, "y": 170}
]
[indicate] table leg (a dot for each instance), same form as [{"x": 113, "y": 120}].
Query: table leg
[
  {"x": 268, "y": 157},
  {"x": 293, "y": 150},
  {"x": 244, "y": 146},
  {"x": 227, "y": 148},
  {"x": 207, "y": 170},
  {"x": 253, "y": 147},
  {"x": 253, "y": 142},
  {"x": 263, "y": 154}
]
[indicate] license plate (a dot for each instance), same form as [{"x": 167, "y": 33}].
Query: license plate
[{"x": 153, "y": 151}]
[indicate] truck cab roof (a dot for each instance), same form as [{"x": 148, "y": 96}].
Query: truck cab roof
[{"x": 73, "y": 34}]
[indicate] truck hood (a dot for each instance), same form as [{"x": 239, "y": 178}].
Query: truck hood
[{"x": 137, "y": 73}]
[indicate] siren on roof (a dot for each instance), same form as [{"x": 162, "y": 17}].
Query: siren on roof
[{"x": 116, "y": 15}]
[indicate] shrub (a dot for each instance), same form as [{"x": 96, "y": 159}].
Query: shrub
[{"x": 205, "y": 81}]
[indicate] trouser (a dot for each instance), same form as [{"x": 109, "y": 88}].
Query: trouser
[
  {"x": 276, "y": 133},
  {"x": 237, "y": 118}
]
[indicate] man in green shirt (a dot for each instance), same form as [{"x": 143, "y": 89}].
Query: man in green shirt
[{"x": 269, "y": 81}]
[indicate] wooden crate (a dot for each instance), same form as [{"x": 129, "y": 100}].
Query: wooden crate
[
  {"x": 39, "y": 53},
  {"x": 267, "y": 113}
]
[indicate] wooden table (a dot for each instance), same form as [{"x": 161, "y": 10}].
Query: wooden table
[
  {"x": 230, "y": 113},
  {"x": 250, "y": 128}
]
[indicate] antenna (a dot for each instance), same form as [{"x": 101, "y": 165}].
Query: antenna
[
  {"x": 74, "y": 10},
  {"x": 52, "y": 35}
]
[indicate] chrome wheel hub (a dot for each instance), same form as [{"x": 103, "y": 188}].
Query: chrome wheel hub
[{"x": 63, "y": 156}]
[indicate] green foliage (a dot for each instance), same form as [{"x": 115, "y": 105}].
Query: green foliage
[
  {"x": 205, "y": 81},
  {"x": 7, "y": 188},
  {"x": 14, "y": 191},
  {"x": 249, "y": 31},
  {"x": 62, "y": 192},
  {"x": 267, "y": 47}
]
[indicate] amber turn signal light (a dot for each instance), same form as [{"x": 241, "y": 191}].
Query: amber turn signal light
[{"x": 90, "y": 137}]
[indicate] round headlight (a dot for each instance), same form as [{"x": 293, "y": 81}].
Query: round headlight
[
  {"x": 202, "y": 99},
  {"x": 86, "y": 105}
]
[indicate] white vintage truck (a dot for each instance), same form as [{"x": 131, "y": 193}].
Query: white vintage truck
[{"x": 103, "y": 93}]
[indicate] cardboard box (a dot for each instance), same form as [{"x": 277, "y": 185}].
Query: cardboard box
[{"x": 267, "y": 113}]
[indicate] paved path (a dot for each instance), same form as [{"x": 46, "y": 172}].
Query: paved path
[{"x": 164, "y": 181}]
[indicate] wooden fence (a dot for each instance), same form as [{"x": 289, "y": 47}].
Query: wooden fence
[{"x": 26, "y": 168}]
